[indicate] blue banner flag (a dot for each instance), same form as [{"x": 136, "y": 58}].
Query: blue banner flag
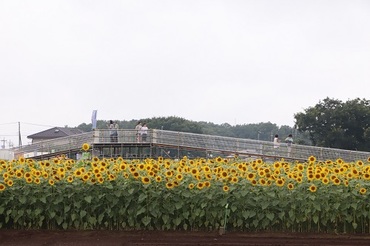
[{"x": 93, "y": 119}]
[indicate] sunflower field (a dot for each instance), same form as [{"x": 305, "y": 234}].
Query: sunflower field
[{"x": 186, "y": 194}]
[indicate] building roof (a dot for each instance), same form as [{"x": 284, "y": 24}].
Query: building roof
[{"x": 56, "y": 132}]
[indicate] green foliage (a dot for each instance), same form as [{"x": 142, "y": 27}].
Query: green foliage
[{"x": 332, "y": 123}]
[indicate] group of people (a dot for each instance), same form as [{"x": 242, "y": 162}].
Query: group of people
[
  {"x": 141, "y": 131},
  {"x": 288, "y": 141}
]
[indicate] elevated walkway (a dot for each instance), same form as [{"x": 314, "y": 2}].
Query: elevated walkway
[{"x": 159, "y": 141}]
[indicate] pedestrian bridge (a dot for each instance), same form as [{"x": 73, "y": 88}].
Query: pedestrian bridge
[{"x": 177, "y": 144}]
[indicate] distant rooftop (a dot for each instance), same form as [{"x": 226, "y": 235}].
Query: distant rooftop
[{"x": 55, "y": 132}]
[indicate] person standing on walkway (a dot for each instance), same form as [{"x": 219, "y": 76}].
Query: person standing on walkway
[
  {"x": 289, "y": 141},
  {"x": 144, "y": 132},
  {"x": 137, "y": 131},
  {"x": 113, "y": 131},
  {"x": 276, "y": 143}
]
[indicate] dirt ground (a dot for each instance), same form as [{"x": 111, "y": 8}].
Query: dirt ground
[{"x": 156, "y": 238}]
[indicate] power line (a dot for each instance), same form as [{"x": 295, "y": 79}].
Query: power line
[
  {"x": 34, "y": 124},
  {"x": 9, "y": 123}
]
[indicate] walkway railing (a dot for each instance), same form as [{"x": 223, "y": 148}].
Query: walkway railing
[{"x": 191, "y": 141}]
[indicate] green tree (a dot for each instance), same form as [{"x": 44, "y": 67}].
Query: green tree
[{"x": 336, "y": 124}]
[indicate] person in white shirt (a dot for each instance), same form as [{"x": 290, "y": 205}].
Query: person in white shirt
[
  {"x": 276, "y": 141},
  {"x": 113, "y": 131},
  {"x": 276, "y": 144},
  {"x": 137, "y": 128},
  {"x": 144, "y": 132}
]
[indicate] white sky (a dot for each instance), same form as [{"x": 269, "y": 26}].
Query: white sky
[{"x": 236, "y": 62}]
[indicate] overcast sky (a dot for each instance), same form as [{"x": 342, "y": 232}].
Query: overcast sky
[{"x": 236, "y": 62}]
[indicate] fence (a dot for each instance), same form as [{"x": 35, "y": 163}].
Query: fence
[{"x": 190, "y": 141}]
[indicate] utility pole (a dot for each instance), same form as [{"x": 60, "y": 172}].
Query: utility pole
[{"x": 19, "y": 135}]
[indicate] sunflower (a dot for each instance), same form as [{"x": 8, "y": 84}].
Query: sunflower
[
  {"x": 225, "y": 188},
  {"x": 312, "y": 159},
  {"x": 78, "y": 173},
  {"x": 145, "y": 180},
  {"x": 37, "y": 181},
  {"x": 208, "y": 176},
  {"x": 360, "y": 163},
  {"x": 21, "y": 160},
  {"x": 85, "y": 147},
  {"x": 207, "y": 169},
  {"x": 70, "y": 179},
  {"x": 254, "y": 182},
  {"x": 224, "y": 174},
  {"x": 336, "y": 181},
  {"x": 279, "y": 182},
  {"x": 200, "y": 185},
  {"x": 85, "y": 177},
  {"x": 313, "y": 188},
  {"x": 5, "y": 175},
  {"x": 363, "y": 191},
  {"x": 51, "y": 182},
  {"x": 300, "y": 167},
  {"x": 366, "y": 176},
  {"x": 194, "y": 171},
  {"x": 29, "y": 180},
  {"x": 277, "y": 165},
  {"x": 325, "y": 181},
  {"x": 191, "y": 186},
  {"x": 9, "y": 182},
  {"x": 290, "y": 186},
  {"x": 251, "y": 176},
  {"x": 170, "y": 185},
  {"x": 354, "y": 171},
  {"x": 158, "y": 179},
  {"x": 169, "y": 173},
  {"x": 262, "y": 181},
  {"x": 234, "y": 180},
  {"x": 179, "y": 177},
  {"x": 2, "y": 187},
  {"x": 310, "y": 176},
  {"x": 261, "y": 173},
  {"x": 18, "y": 174},
  {"x": 111, "y": 177},
  {"x": 96, "y": 171}
]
